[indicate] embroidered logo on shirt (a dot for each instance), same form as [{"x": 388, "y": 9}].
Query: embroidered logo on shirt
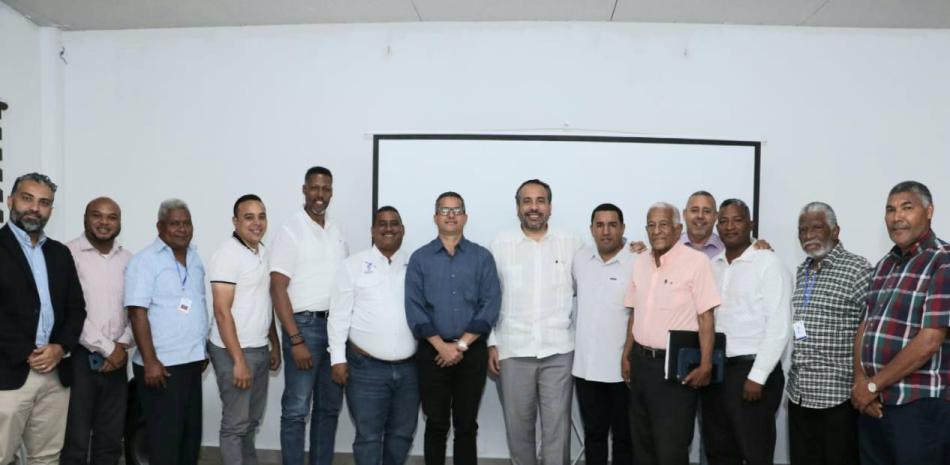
[{"x": 370, "y": 266}]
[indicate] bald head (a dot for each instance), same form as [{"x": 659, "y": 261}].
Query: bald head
[{"x": 103, "y": 222}]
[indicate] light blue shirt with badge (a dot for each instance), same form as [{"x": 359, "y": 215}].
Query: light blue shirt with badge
[
  {"x": 37, "y": 261},
  {"x": 175, "y": 298}
]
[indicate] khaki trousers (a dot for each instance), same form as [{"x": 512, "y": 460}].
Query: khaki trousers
[{"x": 35, "y": 415}]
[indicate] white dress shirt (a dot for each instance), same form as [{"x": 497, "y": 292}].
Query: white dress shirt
[
  {"x": 309, "y": 255},
  {"x": 601, "y": 314},
  {"x": 368, "y": 307},
  {"x": 755, "y": 313},
  {"x": 537, "y": 291}
]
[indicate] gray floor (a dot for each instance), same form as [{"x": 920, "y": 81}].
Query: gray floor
[{"x": 210, "y": 456}]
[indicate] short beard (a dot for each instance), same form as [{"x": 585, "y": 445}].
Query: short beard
[
  {"x": 29, "y": 226},
  {"x": 820, "y": 253}
]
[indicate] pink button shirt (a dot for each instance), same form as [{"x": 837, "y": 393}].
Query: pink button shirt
[
  {"x": 102, "y": 280},
  {"x": 671, "y": 296}
]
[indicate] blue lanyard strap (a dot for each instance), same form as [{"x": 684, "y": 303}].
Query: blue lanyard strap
[
  {"x": 182, "y": 279},
  {"x": 810, "y": 279}
]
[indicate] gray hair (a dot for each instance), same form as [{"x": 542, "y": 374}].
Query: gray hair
[
  {"x": 169, "y": 205},
  {"x": 35, "y": 177},
  {"x": 914, "y": 187},
  {"x": 822, "y": 207},
  {"x": 667, "y": 205}
]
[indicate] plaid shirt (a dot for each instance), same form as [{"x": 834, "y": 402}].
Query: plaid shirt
[
  {"x": 822, "y": 364},
  {"x": 909, "y": 292}
]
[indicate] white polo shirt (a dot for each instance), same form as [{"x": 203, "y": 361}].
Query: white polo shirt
[
  {"x": 368, "y": 307},
  {"x": 310, "y": 256},
  {"x": 756, "y": 313},
  {"x": 601, "y": 315},
  {"x": 235, "y": 263},
  {"x": 537, "y": 302}
]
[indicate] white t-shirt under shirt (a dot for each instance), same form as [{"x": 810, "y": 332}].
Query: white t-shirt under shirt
[
  {"x": 310, "y": 256},
  {"x": 235, "y": 263}
]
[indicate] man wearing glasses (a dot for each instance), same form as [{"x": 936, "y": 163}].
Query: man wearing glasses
[{"x": 452, "y": 301}]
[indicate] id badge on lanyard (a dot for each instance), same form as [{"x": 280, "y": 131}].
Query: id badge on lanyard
[
  {"x": 184, "y": 305},
  {"x": 799, "y": 326}
]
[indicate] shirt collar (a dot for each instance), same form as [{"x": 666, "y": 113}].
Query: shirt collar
[
  {"x": 595, "y": 254},
  {"x": 714, "y": 241},
  {"x": 440, "y": 247},
  {"x": 924, "y": 242},
  {"x": 670, "y": 254},
  {"x": 241, "y": 241},
  {"x": 24, "y": 238},
  {"x": 86, "y": 246},
  {"x": 829, "y": 259},
  {"x": 161, "y": 245},
  {"x": 747, "y": 255},
  {"x": 377, "y": 255}
]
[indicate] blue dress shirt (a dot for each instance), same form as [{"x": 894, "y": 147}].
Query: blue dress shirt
[
  {"x": 449, "y": 295},
  {"x": 37, "y": 261},
  {"x": 156, "y": 281}
]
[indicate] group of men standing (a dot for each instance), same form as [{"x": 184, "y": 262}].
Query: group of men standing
[{"x": 393, "y": 330}]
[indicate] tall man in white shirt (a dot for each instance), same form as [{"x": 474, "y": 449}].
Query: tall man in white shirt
[
  {"x": 531, "y": 349},
  {"x": 305, "y": 257},
  {"x": 97, "y": 398},
  {"x": 738, "y": 418},
  {"x": 243, "y": 342},
  {"x": 602, "y": 273},
  {"x": 372, "y": 348}
]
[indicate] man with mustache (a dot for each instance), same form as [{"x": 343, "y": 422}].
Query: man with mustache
[
  {"x": 243, "y": 342},
  {"x": 99, "y": 392},
  {"x": 831, "y": 288},
  {"x": 305, "y": 256},
  {"x": 372, "y": 348},
  {"x": 42, "y": 313},
  {"x": 531, "y": 349},
  {"x": 738, "y": 420},
  {"x": 165, "y": 298},
  {"x": 901, "y": 349},
  {"x": 452, "y": 300}
]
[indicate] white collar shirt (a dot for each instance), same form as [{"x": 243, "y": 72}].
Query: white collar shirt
[
  {"x": 309, "y": 255},
  {"x": 537, "y": 304},
  {"x": 368, "y": 307},
  {"x": 601, "y": 315},
  {"x": 236, "y": 264},
  {"x": 755, "y": 313}
]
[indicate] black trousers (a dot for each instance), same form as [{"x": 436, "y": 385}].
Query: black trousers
[
  {"x": 172, "y": 414},
  {"x": 662, "y": 414},
  {"x": 917, "y": 433},
  {"x": 736, "y": 431},
  {"x": 604, "y": 411},
  {"x": 451, "y": 396},
  {"x": 823, "y": 436},
  {"x": 96, "y": 419}
]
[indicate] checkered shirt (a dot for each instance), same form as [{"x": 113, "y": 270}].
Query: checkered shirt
[
  {"x": 822, "y": 364},
  {"x": 909, "y": 292}
]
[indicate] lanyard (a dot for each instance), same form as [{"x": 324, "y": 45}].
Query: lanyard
[
  {"x": 810, "y": 279},
  {"x": 182, "y": 279}
]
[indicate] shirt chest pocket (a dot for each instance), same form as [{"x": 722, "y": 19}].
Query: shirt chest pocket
[
  {"x": 561, "y": 273},
  {"x": 674, "y": 295}
]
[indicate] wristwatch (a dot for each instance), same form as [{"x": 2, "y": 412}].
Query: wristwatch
[
  {"x": 462, "y": 345},
  {"x": 872, "y": 387}
]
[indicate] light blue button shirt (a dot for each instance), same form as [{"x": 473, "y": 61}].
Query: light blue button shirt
[
  {"x": 156, "y": 281},
  {"x": 37, "y": 261}
]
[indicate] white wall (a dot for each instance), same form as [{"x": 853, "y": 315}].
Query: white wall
[
  {"x": 31, "y": 82},
  {"x": 843, "y": 114}
]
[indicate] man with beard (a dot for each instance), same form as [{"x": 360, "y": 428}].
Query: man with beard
[
  {"x": 99, "y": 390},
  {"x": 41, "y": 315},
  {"x": 700, "y": 217},
  {"x": 452, "y": 300},
  {"x": 165, "y": 297},
  {"x": 531, "y": 349},
  {"x": 901, "y": 349},
  {"x": 372, "y": 348},
  {"x": 243, "y": 342},
  {"x": 305, "y": 256},
  {"x": 831, "y": 288},
  {"x": 672, "y": 288},
  {"x": 602, "y": 273},
  {"x": 738, "y": 420}
]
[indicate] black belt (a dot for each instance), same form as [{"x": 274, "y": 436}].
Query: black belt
[
  {"x": 740, "y": 359},
  {"x": 321, "y": 314},
  {"x": 648, "y": 352}
]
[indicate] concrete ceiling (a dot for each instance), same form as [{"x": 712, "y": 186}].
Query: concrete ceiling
[{"x": 137, "y": 14}]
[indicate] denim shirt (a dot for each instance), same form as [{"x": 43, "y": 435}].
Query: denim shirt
[
  {"x": 37, "y": 261},
  {"x": 154, "y": 280},
  {"x": 449, "y": 295}
]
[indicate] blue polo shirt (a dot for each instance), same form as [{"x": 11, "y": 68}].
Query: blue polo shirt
[
  {"x": 156, "y": 281},
  {"x": 450, "y": 295}
]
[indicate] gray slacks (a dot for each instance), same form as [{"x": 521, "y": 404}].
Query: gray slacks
[
  {"x": 529, "y": 386},
  {"x": 242, "y": 409}
]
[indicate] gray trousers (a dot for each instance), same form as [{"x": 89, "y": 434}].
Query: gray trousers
[
  {"x": 242, "y": 410},
  {"x": 529, "y": 386}
]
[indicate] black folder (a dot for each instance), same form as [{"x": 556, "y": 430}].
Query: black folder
[{"x": 683, "y": 355}]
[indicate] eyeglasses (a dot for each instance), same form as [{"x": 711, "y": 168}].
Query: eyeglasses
[{"x": 444, "y": 211}]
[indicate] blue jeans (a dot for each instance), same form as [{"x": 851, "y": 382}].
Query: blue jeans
[
  {"x": 383, "y": 399},
  {"x": 303, "y": 386}
]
